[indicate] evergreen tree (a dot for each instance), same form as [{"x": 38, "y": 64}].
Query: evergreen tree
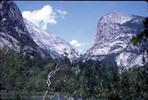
[{"x": 142, "y": 39}]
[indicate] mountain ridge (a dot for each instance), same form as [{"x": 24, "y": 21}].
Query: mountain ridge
[
  {"x": 23, "y": 36},
  {"x": 13, "y": 32},
  {"x": 112, "y": 43},
  {"x": 113, "y": 40},
  {"x": 50, "y": 42}
]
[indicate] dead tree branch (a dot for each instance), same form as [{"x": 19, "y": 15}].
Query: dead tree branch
[{"x": 58, "y": 67}]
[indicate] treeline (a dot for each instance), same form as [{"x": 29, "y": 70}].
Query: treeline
[
  {"x": 22, "y": 74},
  {"x": 94, "y": 82},
  {"x": 88, "y": 79}
]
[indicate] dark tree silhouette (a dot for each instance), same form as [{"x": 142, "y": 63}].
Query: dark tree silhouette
[{"x": 142, "y": 39}]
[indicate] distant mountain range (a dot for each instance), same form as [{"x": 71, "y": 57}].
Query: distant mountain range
[{"x": 112, "y": 44}]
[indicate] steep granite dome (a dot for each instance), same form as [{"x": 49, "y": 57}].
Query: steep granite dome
[
  {"x": 13, "y": 32},
  {"x": 50, "y": 42},
  {"x": 113, "y": 40},
  {"x": 112, "y": 43}
]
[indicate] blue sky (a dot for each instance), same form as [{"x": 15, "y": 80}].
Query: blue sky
[{"x": 76, "y": 21}]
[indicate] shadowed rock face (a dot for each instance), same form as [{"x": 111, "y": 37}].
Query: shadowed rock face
[
  {"x": 13, "y": 32},
  {"x": 113, "y": 40},
  {"x": 23, "y": 36},
  {"x": 112, "y": 43}
]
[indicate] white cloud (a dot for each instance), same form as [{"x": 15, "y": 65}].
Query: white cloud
[
  {"x": 76, "y": 44},
  {"x": 44, "y": 16},
  {"x": 63, "y": 13}
]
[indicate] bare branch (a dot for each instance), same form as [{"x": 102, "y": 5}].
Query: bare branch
[{"x": 58, "y": 67}]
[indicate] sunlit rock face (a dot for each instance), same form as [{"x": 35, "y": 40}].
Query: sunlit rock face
[
  {"x": 13, "y": 32},
  {"x": 23, "y": 36},
  {"x": 50, "y": 42},
  {"x": 113, "y": 44}
]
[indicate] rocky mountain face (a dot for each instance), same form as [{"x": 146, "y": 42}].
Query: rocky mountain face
[
  {"x": 49, "y": 42},
  {"x": 28, "y": 38},
  {"x": 13, "y": 32},
  {"x": 113, "y": 44}
]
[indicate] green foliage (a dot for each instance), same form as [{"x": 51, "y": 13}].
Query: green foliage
[
  {"x": 95, "y": 81},
  {"x": 11, "y": 65},
  {"x": 15, "y": 75},
  {"x": 142, "y": 36},
  {"x": 135, "y": 40},
  {"x": 88, "y": 79}
]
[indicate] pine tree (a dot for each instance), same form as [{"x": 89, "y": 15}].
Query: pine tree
[{"x": 142, "y": 39}]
